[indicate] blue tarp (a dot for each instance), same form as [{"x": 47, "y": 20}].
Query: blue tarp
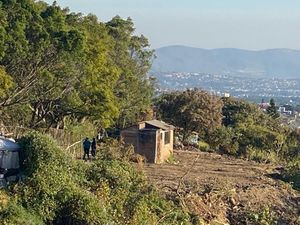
[{"x": 9, "y": 145}]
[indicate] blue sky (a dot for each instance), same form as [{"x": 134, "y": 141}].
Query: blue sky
[{"x": 247, "y": 24}]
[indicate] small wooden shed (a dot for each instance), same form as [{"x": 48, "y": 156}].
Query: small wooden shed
[{"x": 152, "y": 139}]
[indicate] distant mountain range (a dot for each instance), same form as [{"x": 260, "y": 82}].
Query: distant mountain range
[{"x": 279, "y": 63}]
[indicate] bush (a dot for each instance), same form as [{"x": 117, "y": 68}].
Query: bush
[
  {"x": 127, "y": 195},
  {"x": 260, "y": 155},
  {"x": 13, "y": 214},
  {"x": 61, "y": 190},
  {"x": 263, "y": 217},
  {"x": 225, "y": 140},
  {"x": 203, "y": 146},
  {"x": 81, "y": 208},
  {"x": 172, "y": 159},
  {"x": 53, "y": 184},
  {"x": 292, "y": 175}
]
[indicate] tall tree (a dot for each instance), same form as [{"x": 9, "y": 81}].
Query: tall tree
[
  {"x": 272, "y": 109},
  {"x": 35, "y": 43},
  {"x": 191, "y": 110},
  {"x": 132, "y": 55},
  {"x": 236, "y": 111},
  {"x": 57, "y": 65}
]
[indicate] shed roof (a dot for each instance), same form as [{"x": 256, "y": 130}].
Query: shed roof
[{"x": 160, "y": 124}]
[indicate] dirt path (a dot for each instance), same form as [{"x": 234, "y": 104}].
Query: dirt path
[{"x": 223, "y": 189}]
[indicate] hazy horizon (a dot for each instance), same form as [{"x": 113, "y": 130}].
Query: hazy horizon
[
  {"x": 251, "y": 50},
  {"x": 248, "y": 24}
]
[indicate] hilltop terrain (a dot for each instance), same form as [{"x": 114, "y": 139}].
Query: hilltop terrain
[
  {"x": 225, "y": 190},
  {"x": 280, "y": 63},
  {"x": 65, "y": 76}
]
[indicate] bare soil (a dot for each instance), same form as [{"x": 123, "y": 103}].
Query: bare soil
[{"x": 226, "y": 190}]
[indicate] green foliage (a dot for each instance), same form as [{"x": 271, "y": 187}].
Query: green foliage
[
  {"x": 272, "y": 109},
  {"x": 225, "y": 139},
  {"x": 17, "y": 115},
  {"x": 61, "y": 190},
  {"x": 235, "y": 111},
  {"x": 172, "y": 159},
  {"x": 66, "y": 65},
  {"x": 191, "y": 110},
  {"x": 247, "y": 131},
  {"x": 262, "y": 217},
  {"x": 6, "y": 83},
  {"x": 13, "y": 214},
  {"x": 292, "y": 175},
  {"x": 52, "y": 188},
  {"x": 260, "y": 155},
  {"x": 203, "y": 146},
  {"x": 134, "y": 89},
  {"x": 86, "y": 129},
  {"x": 260, "y": 137},
  {"x": 79, "y": 207}
]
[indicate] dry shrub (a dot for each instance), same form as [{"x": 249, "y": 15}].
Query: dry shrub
[
  {"x": 139, "y": 159},
  {"x": 3, "y": 200}
]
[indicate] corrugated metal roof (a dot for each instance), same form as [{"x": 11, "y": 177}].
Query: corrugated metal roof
[{"x": 160, "y": 124}]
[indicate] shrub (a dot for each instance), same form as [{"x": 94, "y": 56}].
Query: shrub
[
  {"x": 13, "y": 214},
  {"x": 53, "y": 186},
  {"x": 81, "y": 208},
  {"x": 263, "y": 217},
  {"x": 225, "y": 139},
  {"x": 114, "y": 149},
  {"x": 172, "y": 159},
  {"x": 61, "y": 190},
  {"x": 260, "y": 155},
  {"x": 127, "y": 195},
  {"x": 203, "y": 146},
  {"x": 292, "y": 175}
]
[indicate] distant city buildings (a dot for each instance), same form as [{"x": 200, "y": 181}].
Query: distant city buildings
[
  {"x": 284, "y": 111},
  {"x": 284, "y": 91},
  {"x": 226, "y": 95}
]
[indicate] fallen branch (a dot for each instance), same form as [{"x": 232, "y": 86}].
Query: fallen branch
[{"x": 70, "y": 146}]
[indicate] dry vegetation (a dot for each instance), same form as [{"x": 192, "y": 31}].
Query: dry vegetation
[{"x": 226, "y": 190}]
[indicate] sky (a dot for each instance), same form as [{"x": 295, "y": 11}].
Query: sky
[{"x": 245, "y": 24}]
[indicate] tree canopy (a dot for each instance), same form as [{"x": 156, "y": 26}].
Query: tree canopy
[
  {"x": 191, "y": 110},
  {"x": 55, "y": 64},
  {"x": 272, "y": 109}
]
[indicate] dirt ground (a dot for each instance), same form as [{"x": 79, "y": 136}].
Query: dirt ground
[{"x": 226, "y": 190}]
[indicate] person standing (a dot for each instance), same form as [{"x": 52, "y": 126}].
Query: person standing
[
  {"x": 86, "y": 148},
  {"x": 94, "y": 146}
]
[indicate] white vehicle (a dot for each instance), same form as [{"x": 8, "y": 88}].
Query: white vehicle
[{"x": 9, "y": 161}]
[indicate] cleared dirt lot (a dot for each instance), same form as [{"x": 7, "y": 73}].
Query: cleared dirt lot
[{"x": 224, "y": 189}]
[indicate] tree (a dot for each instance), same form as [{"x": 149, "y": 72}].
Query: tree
[
  {"x": 6, "y": 83},
  {"x": 250, "y": 128},
  {"x": 134, "y": 89},
  {"x": 36, "y": 41},
  {"x": 236, "y": 111},
  {"x": 59, "y": 66},
  {"x": 272, "y": 109},
  {"x": 191, "y": 110}
]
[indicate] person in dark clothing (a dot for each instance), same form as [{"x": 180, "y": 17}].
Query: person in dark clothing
[
  {"x": 86, "y": 148},
  {"x": 93, "y": 149}
]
